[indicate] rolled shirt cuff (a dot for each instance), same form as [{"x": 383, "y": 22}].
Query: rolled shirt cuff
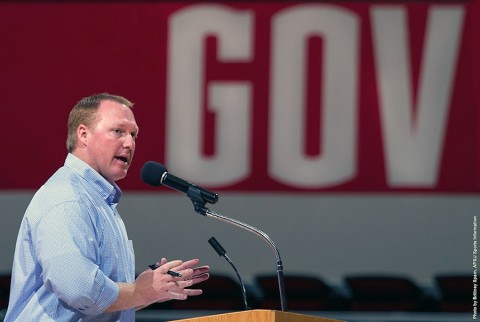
[{"x": 107, "y": 296}]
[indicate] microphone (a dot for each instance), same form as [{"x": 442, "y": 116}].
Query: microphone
[
  {"x": 155, "y": 174},
  {"x": 222, "y": 253}
]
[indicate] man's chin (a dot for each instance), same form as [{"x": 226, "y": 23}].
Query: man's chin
[
  {"x": 118, "y": 175},
  {"x": 121, "y": 176}
]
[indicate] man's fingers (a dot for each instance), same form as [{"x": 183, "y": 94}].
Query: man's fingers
[
  {"x": 193, "y": 292},
  {"x": 169, "y": 265},
  {"x": 201, "y": 270},
  {"x": 188, "y": 264},
  {"x": 177, "y": 295},
  {"x": 200, "y": 278}
]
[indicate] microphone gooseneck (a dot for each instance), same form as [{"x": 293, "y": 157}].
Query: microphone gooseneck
[
  {"x": 199, "y": 206},
  {"x": 222, "y": 253}
]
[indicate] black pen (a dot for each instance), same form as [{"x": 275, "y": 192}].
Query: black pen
[{"x": 172, "y": 273}]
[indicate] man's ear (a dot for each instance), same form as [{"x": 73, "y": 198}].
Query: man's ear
[{"x": 82, "y": 134}]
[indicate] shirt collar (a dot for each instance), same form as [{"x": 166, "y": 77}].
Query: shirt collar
[{"x": 110, "y": 191}]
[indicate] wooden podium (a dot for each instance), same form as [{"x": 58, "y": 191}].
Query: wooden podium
[{"x": 259, "y": 316}]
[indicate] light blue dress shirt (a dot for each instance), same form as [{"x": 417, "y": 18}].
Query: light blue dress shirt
[{"x": 71, "y": 250}]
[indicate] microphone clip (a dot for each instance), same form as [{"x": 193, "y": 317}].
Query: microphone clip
[{"x": 197, "y": 199}]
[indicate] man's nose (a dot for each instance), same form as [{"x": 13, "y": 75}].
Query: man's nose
[{"x": 129, "y": 142}]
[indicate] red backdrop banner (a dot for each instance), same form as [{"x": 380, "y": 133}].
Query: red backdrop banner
[{"x": 360, "y": 96}]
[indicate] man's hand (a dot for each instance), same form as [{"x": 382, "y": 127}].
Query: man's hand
[{"x": 158, "y": 286}]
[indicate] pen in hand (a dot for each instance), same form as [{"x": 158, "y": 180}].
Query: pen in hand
[{"x": 172, "y": 273}]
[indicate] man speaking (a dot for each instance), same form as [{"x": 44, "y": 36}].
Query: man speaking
[{"x": 73, "y": 259}]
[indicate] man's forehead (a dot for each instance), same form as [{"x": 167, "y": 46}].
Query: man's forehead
[{"x": 117, "y": 113}]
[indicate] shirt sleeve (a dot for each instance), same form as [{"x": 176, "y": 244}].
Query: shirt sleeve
[{"x": 67, "y": 244}]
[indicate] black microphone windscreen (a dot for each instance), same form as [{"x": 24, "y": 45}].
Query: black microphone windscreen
[{"x": 152, "y": 173}]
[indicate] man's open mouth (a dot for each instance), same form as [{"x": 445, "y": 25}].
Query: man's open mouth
[{"x": 121, "y": 158}]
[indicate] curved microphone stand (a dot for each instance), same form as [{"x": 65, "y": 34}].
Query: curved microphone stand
[{"x": 199, "y": 206}]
